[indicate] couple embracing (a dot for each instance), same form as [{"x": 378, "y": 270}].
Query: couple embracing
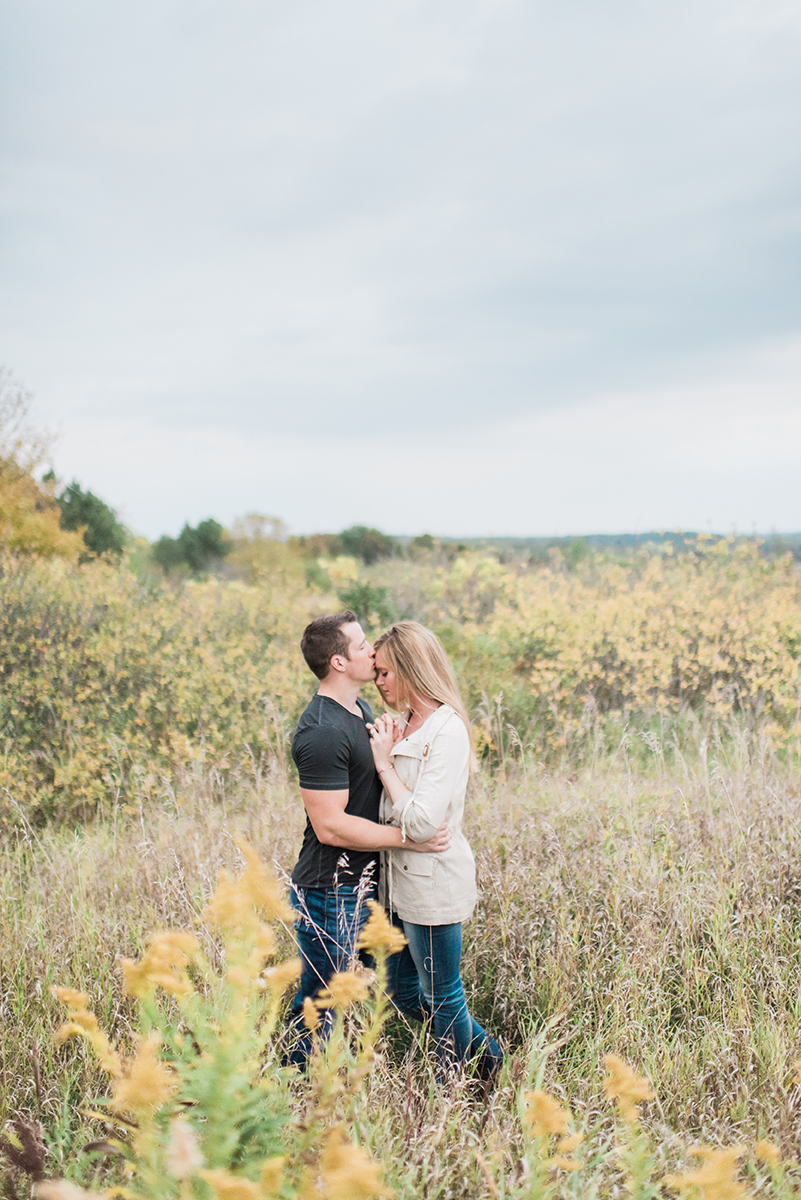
[{"x": 384, "y": 804}]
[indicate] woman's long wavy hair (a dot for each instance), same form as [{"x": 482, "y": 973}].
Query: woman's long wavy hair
[{"x": 422, "y": 670}]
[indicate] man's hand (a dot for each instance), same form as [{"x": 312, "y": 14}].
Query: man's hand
[{"x": 435, "y": 845}]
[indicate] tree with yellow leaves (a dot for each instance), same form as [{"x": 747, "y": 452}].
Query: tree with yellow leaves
[{"x": 30, "y": 517}]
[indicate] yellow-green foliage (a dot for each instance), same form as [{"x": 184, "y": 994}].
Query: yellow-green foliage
[
  {"x": 30, "y": 518},
  {"x": 110, "y": 686},
  {"x": 108, "y": 683},
  {"x": 717, "y": 627}
]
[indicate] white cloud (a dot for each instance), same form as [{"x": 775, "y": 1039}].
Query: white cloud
[
  {"x": 760, "y": 15},
  {"x": 720, "y": 455},
  {"x": 509, "y": 224}
]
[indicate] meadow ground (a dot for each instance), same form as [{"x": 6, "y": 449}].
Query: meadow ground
[{"x": 646, "y": 903}]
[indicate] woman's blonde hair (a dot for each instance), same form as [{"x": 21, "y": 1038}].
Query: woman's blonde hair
[{"x": 422, "y": 670}]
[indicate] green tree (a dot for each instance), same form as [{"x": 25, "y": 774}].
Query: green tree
[
  {"x": 423, "y": 544},
  {"x": 367, "y": 544},
  {"x": 370, "y": 603},
  {"x": 102, "y": 531},
  {"x": 196, "y": 549}
]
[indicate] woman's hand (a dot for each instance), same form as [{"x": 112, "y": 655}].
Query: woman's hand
[{"x": 383, "y": 735}]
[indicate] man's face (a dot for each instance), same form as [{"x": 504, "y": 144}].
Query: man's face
[{"x": 360, "y": 665}]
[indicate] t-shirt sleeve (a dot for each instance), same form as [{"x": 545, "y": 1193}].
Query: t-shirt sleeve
[{"x": 322, "y": 756}]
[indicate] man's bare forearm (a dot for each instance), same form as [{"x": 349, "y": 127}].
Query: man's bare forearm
[{"x": 356, "y": 833}]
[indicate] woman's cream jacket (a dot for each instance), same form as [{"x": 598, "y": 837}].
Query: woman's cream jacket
[{"x": 433, "y": 763}]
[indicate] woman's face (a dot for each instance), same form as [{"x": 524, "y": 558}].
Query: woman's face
[{"x": 385, "y": 679}]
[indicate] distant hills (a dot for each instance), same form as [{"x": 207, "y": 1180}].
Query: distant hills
[{"x": 574, "y": 547}]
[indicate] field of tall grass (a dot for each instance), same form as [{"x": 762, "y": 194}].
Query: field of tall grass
[{"x": 639, "y": 857}]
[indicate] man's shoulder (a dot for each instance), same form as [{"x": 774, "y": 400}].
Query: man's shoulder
[
  {"x": 324, "y": 718},
  {"x": 316, "y": 721}
]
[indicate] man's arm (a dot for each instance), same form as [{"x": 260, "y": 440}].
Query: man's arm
[{"x": 334, "y": 827}]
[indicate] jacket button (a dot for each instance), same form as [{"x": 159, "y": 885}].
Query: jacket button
[{"x": 405, "y": 867}]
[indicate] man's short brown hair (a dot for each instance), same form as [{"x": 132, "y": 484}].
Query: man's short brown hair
[{"x": 323, "y": 638}]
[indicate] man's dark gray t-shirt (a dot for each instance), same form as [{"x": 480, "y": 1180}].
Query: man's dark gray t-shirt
[{"x": 331, "y": 749}]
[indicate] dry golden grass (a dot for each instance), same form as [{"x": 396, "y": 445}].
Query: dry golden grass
[{"x": 645, "y": 905}]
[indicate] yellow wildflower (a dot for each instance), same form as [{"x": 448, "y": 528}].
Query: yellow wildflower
[
  {"x": 183, "y": 1157},
  {"x": 344, "y": 989},
  {"x": 265, "y": 942},
  {"x": 272, "y": 1175},
  {"x": 230, "y": 908},
  {"x": 570, "y": 1142},
  {"x": 563, "y": 1163},
  {"x": 379, "y": 934},
  {"x": 307, "y": 1187},
  {"x": 239, "y": 978},
  {"x": 262, "y": 888},
  {"x": 311, "y": 1017},
  {"x": 349, "y": 1173},
  {"x": 71, "y": 997},
  {"x": 767, "y": 1153},
  {"x": 544, "y": 1116},
  {"x": 83, "y": 1024},
  {"x": 231, "y": 1187},
  {"x": 147, "y": 1083},
  {"x": 164, "y": 965},
  {"x": 626, "y": 1086},
  {"x": 235, "y": 902},
  {"x": 715, "y": 1180},
  {"x": 278, "y": 978}
]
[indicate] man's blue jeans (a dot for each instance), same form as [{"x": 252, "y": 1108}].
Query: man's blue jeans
[
  {"x": 423, "y": 979},
  {"x": 425, "y": 983},
  {"x": 328, "y": 926}
]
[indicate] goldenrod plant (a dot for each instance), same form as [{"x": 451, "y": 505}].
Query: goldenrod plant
[{"x": 202, "y": 1106}]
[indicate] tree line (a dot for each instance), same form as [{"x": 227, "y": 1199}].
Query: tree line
[{"x": 42, "y": 515}]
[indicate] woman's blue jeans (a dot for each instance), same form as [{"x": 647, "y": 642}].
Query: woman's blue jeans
[
  {"x": 423, "y": 979},
  {"x": 425, "y": 983}
]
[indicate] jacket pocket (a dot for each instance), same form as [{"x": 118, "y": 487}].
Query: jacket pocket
[{"x": 407, "y": 862}]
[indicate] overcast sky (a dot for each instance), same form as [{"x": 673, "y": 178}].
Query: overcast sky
[{"x": 457, "y": 266}]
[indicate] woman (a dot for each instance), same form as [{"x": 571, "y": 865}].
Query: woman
[{"x": 423, "y": 762}]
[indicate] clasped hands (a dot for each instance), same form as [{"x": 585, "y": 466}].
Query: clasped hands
[{"x": 385, "y": 732}]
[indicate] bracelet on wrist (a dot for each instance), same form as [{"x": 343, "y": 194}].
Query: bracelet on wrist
[{"x": 381, "y": 770}]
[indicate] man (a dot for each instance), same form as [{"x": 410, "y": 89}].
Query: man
[{"x": 337, "y": 868}]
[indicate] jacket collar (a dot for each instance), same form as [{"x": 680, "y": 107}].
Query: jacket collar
[{"x": 430, "y": 728}]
